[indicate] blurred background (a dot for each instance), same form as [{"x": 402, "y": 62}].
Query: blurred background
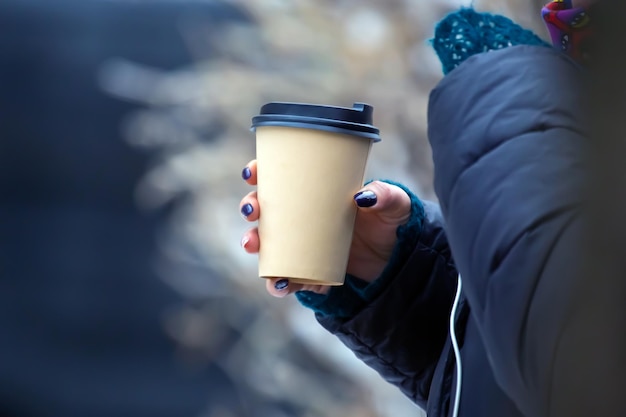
[{"x": 124, "y": 126}]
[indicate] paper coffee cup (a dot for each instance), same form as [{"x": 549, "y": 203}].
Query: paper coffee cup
[{"x": 311, "y": 160}]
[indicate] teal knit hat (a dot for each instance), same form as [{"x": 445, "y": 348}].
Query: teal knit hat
[{"x": 466, "y": 32}]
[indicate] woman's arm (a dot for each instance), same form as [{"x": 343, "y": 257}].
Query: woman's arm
[{"x": 508, "y": 142}]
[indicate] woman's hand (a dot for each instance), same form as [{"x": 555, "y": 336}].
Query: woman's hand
[{"x": 382, "y": 208}]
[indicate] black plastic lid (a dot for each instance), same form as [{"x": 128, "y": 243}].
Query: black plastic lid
[{"x": 355, "y": 121}]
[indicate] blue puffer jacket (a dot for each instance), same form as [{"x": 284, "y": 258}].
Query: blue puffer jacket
[{"x": 506, "y": 133}]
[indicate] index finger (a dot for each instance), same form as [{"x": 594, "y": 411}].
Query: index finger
[{"x": 249, "y": 172}]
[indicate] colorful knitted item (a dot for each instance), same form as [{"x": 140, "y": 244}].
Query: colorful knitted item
[
  {"x": 466, "y": 32},
  {"x": 569, "y": 27}
]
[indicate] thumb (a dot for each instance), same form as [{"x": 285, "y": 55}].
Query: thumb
[{"x": 386, "y": 200}]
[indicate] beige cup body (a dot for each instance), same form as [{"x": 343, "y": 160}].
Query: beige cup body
[{"x": 306, "y": 182}]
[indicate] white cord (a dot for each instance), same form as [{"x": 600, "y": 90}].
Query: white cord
[{"x": 457, "y": 353}]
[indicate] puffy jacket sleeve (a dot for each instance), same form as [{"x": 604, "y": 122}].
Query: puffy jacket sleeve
[
  {"x": 401, "y": 332},
  {"x": 507, "y": 136}
]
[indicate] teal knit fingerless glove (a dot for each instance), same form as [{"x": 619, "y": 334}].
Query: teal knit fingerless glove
[{"x": 466, "y": 32}]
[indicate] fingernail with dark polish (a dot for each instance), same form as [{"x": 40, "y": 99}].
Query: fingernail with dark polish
[
  {"x": 365, "y": 198},
  {"x": 247, "y": 210},
  {"x": 282, "y": 284},
  {"x": 246, "y": 173}
]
